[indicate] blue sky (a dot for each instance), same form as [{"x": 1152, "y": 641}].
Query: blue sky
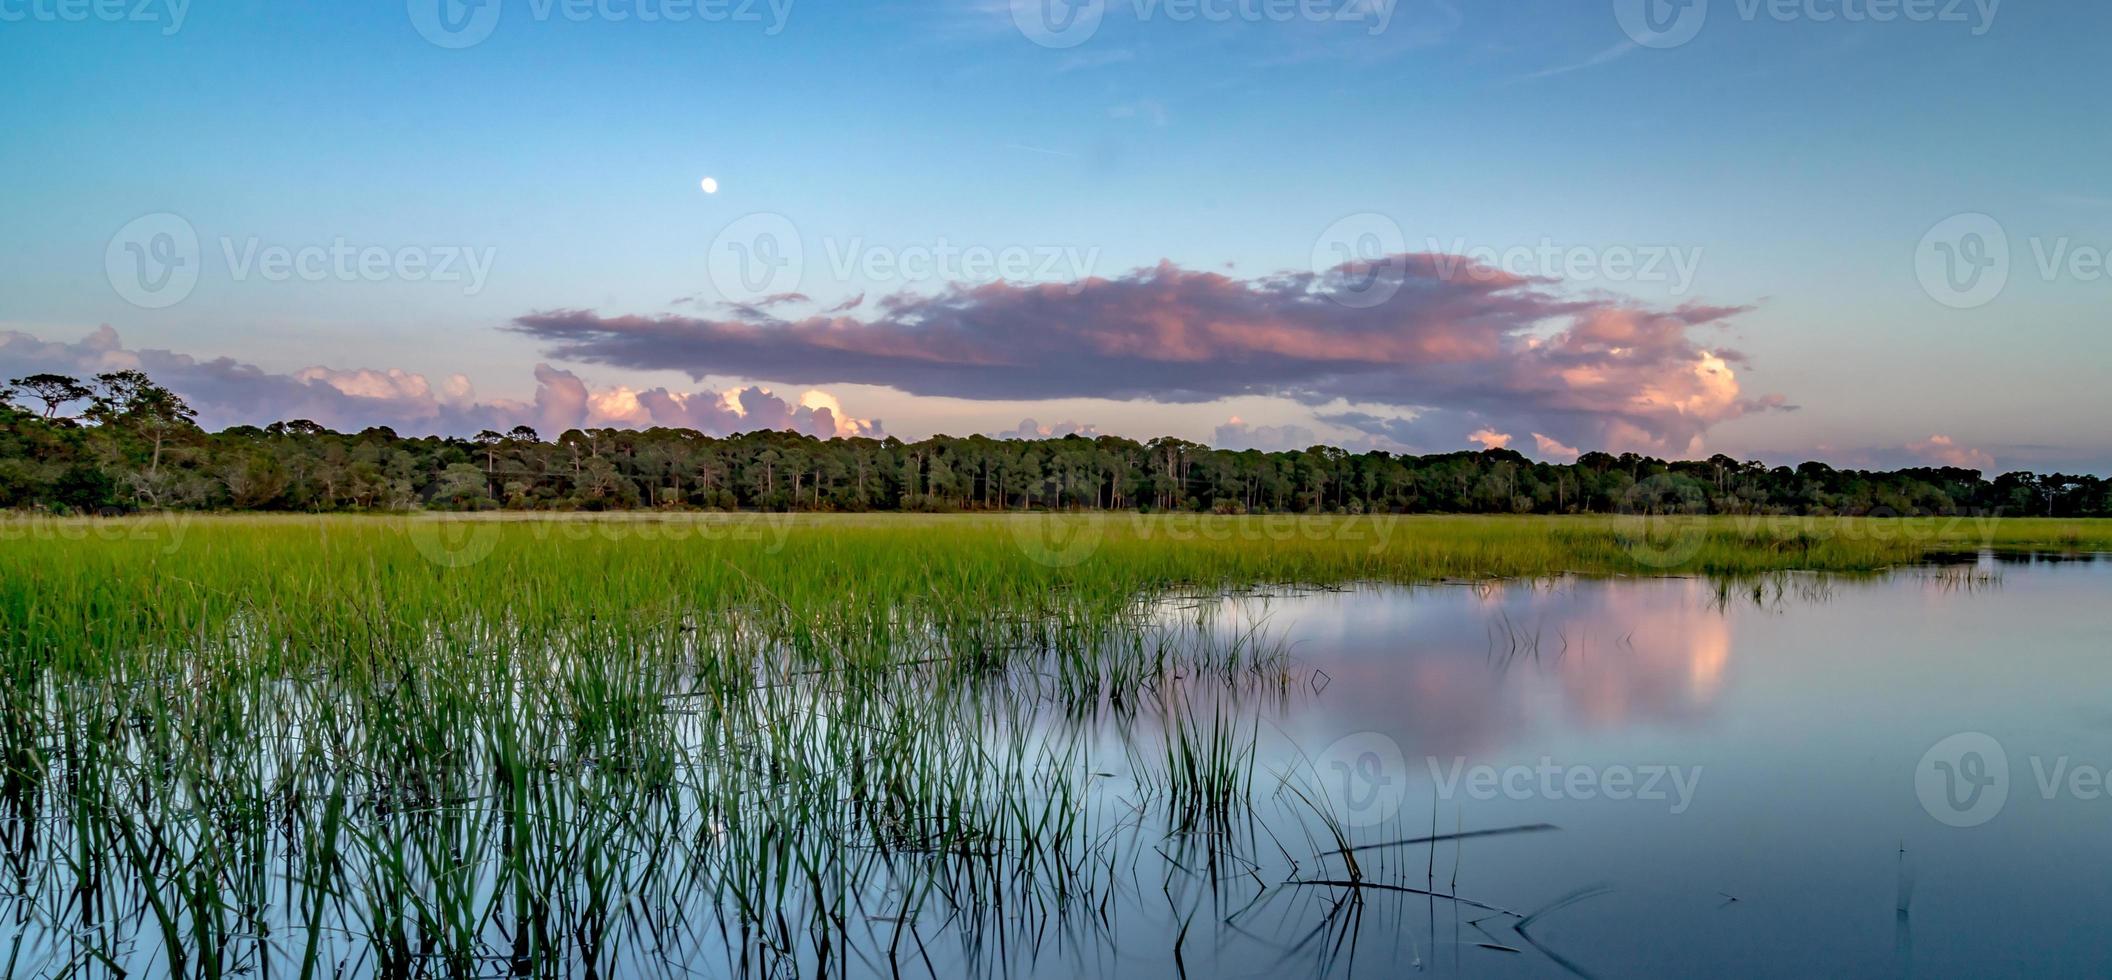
[{"x": 1798, "y": 161}]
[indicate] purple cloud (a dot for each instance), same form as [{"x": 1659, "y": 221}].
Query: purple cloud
[
  {"x": 1457, "y": 347},
  {"x": 227, "y": 392}
]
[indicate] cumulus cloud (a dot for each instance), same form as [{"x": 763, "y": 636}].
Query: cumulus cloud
[
  {"x": 1239, "y": 434},
  {"x": 1394, "y": 432},
  {"x": 1944, "y": 451},
  {"x": 1554, "y": 451},
  {"x": 227, "y": 392},
  {"x": 1490, "y": 439},
  {"x": 1455, "y": 348}
]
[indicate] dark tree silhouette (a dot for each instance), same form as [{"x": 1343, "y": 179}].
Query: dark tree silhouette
[
  {"x": 137, "y": 445},
  {"x": 53, "y": 390}
]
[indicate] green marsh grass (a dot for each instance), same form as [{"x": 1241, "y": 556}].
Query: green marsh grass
[{"x": 746, "y": 744}]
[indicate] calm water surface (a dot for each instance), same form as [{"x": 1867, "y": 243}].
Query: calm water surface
[{"x": 1798, "y": 842}]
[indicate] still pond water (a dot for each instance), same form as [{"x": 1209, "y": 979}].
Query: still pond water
[{"x": 1741, "y": 784}]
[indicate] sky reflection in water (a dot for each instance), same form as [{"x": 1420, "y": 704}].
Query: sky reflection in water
[{"x": 1798, "y": 716}]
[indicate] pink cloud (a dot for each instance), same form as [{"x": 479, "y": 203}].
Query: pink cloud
[
  {"x": 227, "y": 392},
  {"x": 1554, "y": 451},
  {"x": 1943, "y": 450},
  {"x": 1444, "y": 355}
]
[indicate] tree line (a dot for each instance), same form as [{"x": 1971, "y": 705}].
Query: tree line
[{"x": 118, "y": 442}]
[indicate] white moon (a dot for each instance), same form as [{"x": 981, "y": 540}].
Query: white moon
[{"x": 711, "y": 185}]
